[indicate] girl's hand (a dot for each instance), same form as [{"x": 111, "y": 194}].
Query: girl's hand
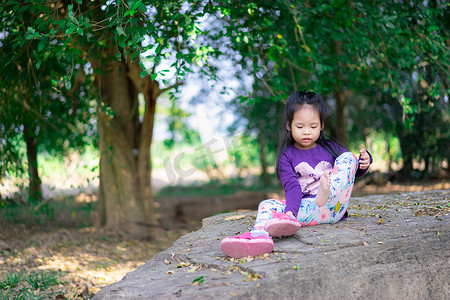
[{"x": 364, "y": 159}]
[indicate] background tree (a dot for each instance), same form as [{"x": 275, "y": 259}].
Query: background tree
[
  {"x": 109, "y": 38},
  {"x": 343, "y": 50},
  {"x": 34, "y": 113},
  {"x": 261, "y": 119}
]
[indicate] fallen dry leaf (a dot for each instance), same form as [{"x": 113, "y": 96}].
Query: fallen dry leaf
[{"x": 234, "y": 218}]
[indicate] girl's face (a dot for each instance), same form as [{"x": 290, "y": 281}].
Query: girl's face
[{"x": 306, "y": 127}]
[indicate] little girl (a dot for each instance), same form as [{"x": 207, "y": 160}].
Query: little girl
[{"x": 317, "y": 175}]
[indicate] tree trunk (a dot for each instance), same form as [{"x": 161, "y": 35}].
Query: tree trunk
[
  {"x": 391, "y": 158},
  {"x": 341, "y": 121},
  {"x": 341, "y": 132},
  {"x": 125, "y": 195},
  {"x": 35, "y": 187},
  {"x": 262, "y": 154},
  {"x": 406, "y": 155}
]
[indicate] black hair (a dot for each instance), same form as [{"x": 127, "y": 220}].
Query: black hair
[{"x": 294, "y": 103}]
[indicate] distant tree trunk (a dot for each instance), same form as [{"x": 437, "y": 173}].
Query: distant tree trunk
[
  {"x": 262, "y": 154},
  {"x": 125, "y": 194},
  {"x": 407, "y": 164},
  {"x": 391, "y": 158},
  {"x": 35, "y": 187},
  {"x": 339, "y": 95},
  {"x": 406, "y": 155},
  {"x": 341, "y": 120}
]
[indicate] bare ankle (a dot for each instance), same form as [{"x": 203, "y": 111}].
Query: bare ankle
[{"x": 324, "y": 190}]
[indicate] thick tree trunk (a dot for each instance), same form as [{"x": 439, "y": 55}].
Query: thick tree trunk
[
  {"x": 125, "y": 194},
  {"x": 35, "y": 187}
]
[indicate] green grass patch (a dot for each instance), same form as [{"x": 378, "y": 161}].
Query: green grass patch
[
  {"x": 33, "y": 285},
  {"x": 59, "y": 212}
]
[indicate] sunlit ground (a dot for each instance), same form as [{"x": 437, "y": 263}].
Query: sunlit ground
[{"x": 86, "y": 259}]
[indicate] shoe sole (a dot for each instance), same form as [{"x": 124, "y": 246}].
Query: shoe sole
[
  {"x": 281, "y": 228},
  {"x": 238, "y": 248}
]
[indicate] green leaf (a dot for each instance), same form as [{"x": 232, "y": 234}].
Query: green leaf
[
  {"x": 130, "y": 12},
  {"x": 187, "y": 20},
  {"x": 199, "y": 279},
  {"x": 390, "y": 25},
  {"x": 136, "y": 5},
  {"x": 31, "y": 34},
  {"x": 154, "y": 75},
  {"x": 135, "y": 54},
  {"x": 120, "y": 30},
  {"x": 71, "y": 15},
  {"x": 143, "y": 73},
  {"x": 71, "y": 29},
  {"x": 41, "y": 45},
  {"x": 38, "y": 64}
]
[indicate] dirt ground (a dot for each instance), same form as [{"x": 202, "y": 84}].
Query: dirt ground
[
  {"x": 86, "y": 259},
  {"x": 90, "y": 258}
]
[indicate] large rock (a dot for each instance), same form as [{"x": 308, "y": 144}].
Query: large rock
[{"x": 391, "y": 247}]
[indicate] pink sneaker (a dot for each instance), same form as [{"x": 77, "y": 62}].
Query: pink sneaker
[
  {"x": 282, "y": 225},
  {"x": 245, "y": 245}
]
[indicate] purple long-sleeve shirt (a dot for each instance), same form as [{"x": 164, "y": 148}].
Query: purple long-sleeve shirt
[{"x": 300, "y": 172}]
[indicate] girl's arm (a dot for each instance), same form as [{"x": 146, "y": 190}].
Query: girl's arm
[
  {"x": 365, "y": 160},
  {"x": 292, "y": 188}
]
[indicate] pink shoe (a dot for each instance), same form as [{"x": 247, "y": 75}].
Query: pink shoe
[
  {"x": 282, "y": 225},
  {"x": 245, "y": 245}
]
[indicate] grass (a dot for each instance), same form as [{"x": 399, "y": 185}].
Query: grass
[
  {"x": 61, "y": 212},
  {"x": 44, "y": 284}
]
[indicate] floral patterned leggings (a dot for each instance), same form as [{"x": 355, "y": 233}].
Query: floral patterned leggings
[{"x": 342, "y": 179}]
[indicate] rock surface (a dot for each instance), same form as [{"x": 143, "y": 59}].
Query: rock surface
[{"x": 391, "y": 247}]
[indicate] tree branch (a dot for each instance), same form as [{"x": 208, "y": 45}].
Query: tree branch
[
  {"x": 80, "y": 78},
  {"x": 170, "y": 87}
]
